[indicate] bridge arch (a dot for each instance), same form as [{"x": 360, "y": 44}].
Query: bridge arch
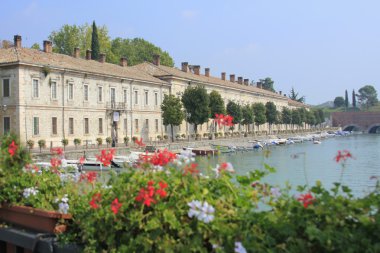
[
  {"x": 374, "y": 129},
  {"x": 352, "y": 127}
]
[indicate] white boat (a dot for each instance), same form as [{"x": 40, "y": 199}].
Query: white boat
[{"x": 317, "y": 142}]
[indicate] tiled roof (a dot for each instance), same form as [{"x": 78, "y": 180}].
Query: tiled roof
[
  {"x": 54, "y": 60},
  {"x": 162, "y": 71}
]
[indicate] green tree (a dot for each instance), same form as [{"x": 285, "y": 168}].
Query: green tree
[
  {"x": 216, "y": 105},
  {"x": 296, "y": 117},
  {"x": 95, "y": 47},
  {"x": 139, "y": 50},
  {"x": 310, "y": 118},
  {"x": 321, "y": 115},
  {"x": 66, "y": 39},
  {"x": 367, "y": 96},
  {"x": 247, "y": 115},
  {"x": 293, "y": 95},
  {"x": 267, "y": 84},
  {"x": 172, "y": 113},
  {"x": 196, "y": 102},
  {"x": 234, "y": 110},
  {"x": 286, "y": 115},
  {"x": 346, "y": 99},
  {"x": 338, "y": 102},
  {"x": 271, "y": 114},
  {"x": 353, "y": 99},
  {"x": 36, "y": 46},
  {"x": 259, "y": 114}
]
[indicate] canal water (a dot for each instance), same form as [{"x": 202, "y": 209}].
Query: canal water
[{"x": 301, "y": 162}]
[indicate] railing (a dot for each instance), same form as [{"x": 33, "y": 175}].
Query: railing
[{"x": 116, "y": 105}]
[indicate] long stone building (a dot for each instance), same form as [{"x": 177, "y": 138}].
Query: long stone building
[{"x": 50, "y": 96}]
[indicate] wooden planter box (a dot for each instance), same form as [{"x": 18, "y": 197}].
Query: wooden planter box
[{"x": 34, "y": 218}]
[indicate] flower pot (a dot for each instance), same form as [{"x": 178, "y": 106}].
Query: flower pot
[{"x": 34, "y": 218}]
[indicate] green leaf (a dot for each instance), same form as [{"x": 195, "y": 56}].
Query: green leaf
[{"x": 170, "y": 218}]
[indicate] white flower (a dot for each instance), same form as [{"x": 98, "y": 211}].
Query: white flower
[
  {"x": 63, "y": 207},
  {"x": 202, "y": 211},
  {"x": 239, "y": 248},
  {"x": 275, "y": 192},
  {"x": 29, "y": 191},
  {"x": 65, "y": 199}
]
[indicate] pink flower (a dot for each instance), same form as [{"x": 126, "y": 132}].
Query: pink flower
[
  {"x": 343, "y": 156},
  {"x": 82, "y": 160},
  {"x": 12, "y": 149},
  {"x": 55, "y": 162}
]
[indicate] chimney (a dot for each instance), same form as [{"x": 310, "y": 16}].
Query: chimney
[
  {"x": 156, "y": 59},
  {"x": 224, "y": 76},
  {"x": 240, "y": 80},
  {"x": 76, "y": 52},
  {"x": 232, "y": 78},
  {"x": 280, "y": 92},
  {"x": 123, "y": 62},
  {"x": 207, "y": 72},
  {"x": 196, "y": 69},
  {"x": 88, "y": 54},
  {"x": 246, "y": 82},
  {"x": 17, "y": 41},
  {"x": 185, "y": 66},
  {"x": 47, "y": 46},
  {"x": 102, "y": 58}
]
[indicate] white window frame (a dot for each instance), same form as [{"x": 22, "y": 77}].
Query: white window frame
[
  {"x": 9, "y": 88},
  {"x": 70, "y": 91},
  {"x": 85, "y": 92},
  {"x": 146, "y": 97},
  {"x": 125, "y": 95},
  {"x": 113, "y": 94},
  {"x": 53, "y": 84},
  {"x": 156, "y": 98},
  {"x": 136, "y": 92},
  {"x": 35, "y": 82}
]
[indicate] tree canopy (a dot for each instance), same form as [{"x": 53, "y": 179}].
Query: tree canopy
[
  {"x": 293, "y": 95},
  {"x": 247, "y": 115},
  {"x": 353, "y": 99},
  {"x": 234, "y": 110},
  {"x": 367, "y": 96},
  {"x": 338, "y": 102},
  {"x": 271, "y": 112},
  {"x": 172, "y": 113},
  {"x": 95, "y": 47},
  {"x": 267, "y": 84},
  {"x": 196, "y": 102},
  {"x": 216, "y": 104},
  {"x": 286, "y": 115},
  {"x": 136, "y": 50},
  {"x": 259, "y": 113},
  {"x": 346, "y": 103}
]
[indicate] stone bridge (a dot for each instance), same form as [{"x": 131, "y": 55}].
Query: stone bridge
[{"x": 368, "y": 122}]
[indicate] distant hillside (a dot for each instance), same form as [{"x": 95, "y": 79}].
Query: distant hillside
[{"x": 328, "y": 104}]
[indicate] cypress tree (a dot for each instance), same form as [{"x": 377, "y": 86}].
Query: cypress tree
[
  {"x": 346, "y": 99},
  {"x": 353, "y": 99},
  {"x": 95, "y": 48}
]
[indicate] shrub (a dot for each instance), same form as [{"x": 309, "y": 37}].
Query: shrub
[
  {"x": 126, "y": 140},
  {"x": 30, "y": 144},
  {"x": 177, "y": 136},
  {"x": 99, "y": 141},
  {"x": 65, "y": 142},
  {"x": 134, "y": 139},
  {"x": 183, "y": 136},
  {"x": 159, "y": 137},
  {"x": 108, "y": 141},
  {"x": 165, "y": 137},
  {"x": 41, "y": 144}
]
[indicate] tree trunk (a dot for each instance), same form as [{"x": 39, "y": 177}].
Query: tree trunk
[{"x": 171, "y": 125}]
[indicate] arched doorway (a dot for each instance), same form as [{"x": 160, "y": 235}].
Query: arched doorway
[
  {"x": 374, "y": 129},
  {"x": 354, "y": 128}
]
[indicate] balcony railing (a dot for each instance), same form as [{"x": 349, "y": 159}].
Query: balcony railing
[{"x": 116, "y": 106}]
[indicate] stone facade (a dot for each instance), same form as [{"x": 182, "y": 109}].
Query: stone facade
[{"x": 50, "y": 96}]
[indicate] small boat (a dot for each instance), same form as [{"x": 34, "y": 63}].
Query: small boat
[{"x": 317, "y": 142}]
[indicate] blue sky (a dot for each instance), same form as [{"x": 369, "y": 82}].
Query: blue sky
[{"x": 319, "y": 47}]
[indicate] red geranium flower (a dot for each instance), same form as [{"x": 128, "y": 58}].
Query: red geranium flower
[
  {"x": 150, "y": 194},
  {"x": 191, "y": 169},
  {"x": 115, "y": 206},
  {"x": 162, "y": 191},
  {"x": 12, "y": 149},
  {"x": 57, "y": 151},
  {"x": 96, "y": 198},
  {"x": 307, "y": 199},
  {"x": 343, "y": 156},
  {"x": 82, "y": 160},
  {"x": 89, "y": 176},
  {"x": 55, "y": 162},
  {"x": 140, "y": 142},
  {"x": 162, "y": 158},
  {"x": 105, "y": 157}
]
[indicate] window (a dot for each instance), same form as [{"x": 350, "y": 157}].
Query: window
[
  {"x": 54, "y": 125},
  {"x": 100, "y": 125},
  {"x": 71, "y": 125},
  {"x": 156, "y": 125},
  {"x": 155, "y": 98},
  {"x": 70, "y": 94},
  {"x": 136, "y": 125},
  {"x": 113, "y": 95},
  {"x": 86, "y": 126},
  {"x": 100, "y": 94},
  {"x": 125, "y": 96},
  {"x": 35, "y": 88},
  {"x": 136, "y": 97},
  {"x": 36, "y": 126},
  {"x": 85, "y": 92},
  {"x": 6, "y": 125},
  {"x": 147, "y": 124},
  {"x": 53, "y": 88},
  {"x": 146, "y": 97},
  {"x": 6, "y": 88},
  {"x": 126, "y": 126}
]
